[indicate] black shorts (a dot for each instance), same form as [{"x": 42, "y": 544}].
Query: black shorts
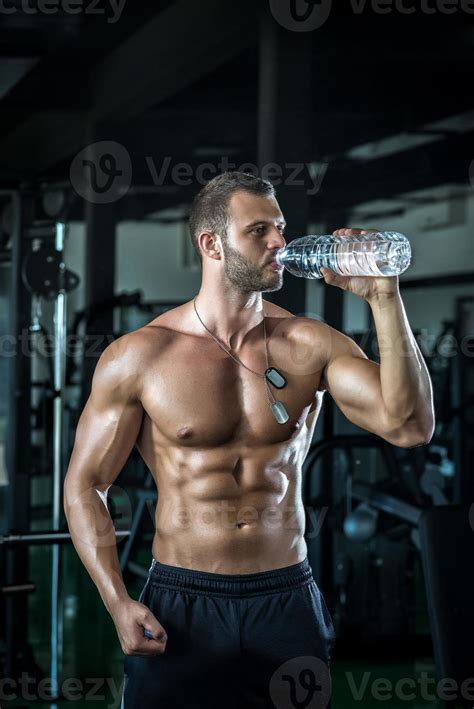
[{"x": 235, "y": 641}]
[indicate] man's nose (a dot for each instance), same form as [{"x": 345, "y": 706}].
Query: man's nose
[{"x": 277, "y": 240}]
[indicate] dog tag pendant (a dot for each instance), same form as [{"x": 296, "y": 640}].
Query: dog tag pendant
[
  {"x": 274, "y": 377},
  {"x": 279, "y": 412}
]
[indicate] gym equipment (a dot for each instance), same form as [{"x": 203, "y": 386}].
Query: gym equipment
[
  {"x": 346, "y": 498},
  {"x": 42, "y": 273},
  {"x": 146, "y": 497},
  {"x": 51, "y": 537},
  {"x": 446, "y": 541},
  {"x": 442, "y": 534}
]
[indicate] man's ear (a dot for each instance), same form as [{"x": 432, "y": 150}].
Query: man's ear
[{"x": 210, "y": 244}]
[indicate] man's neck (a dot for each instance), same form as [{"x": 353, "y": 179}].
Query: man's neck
[{"x": 231, "y": 316}]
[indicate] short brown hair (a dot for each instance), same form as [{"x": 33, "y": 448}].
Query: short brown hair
[{"x": 210, "y": 207}]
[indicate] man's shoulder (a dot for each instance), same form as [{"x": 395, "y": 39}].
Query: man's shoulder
[
  {"x": 275, "y": 311},
  {"x": 317, "y": 342},
  {"x": 133, "y": 349},
  {"x": 306, "y": 329}
]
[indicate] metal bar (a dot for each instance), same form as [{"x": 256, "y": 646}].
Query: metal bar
[
  {"x": 11, "y": 589},
  {"x": 58, "y": 433},
  {"x": 42, "y": 232},
  {"x": 136, "y": 520},
  {"x": 59, "y": 380},
  {"x": 137, "y": 569},
  {"x": 452, "y": 279},
  {"x": 18, "y": 453},
  {"x": 47, "y": 538},
  {"x": 386, "y": 503},
  {"x": 362, "y": 440}
]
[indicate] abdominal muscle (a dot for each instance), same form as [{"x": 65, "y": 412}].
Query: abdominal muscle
[{"x": 243, "y": 520}]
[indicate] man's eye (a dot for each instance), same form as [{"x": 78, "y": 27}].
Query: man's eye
[{"x": 259, "y": 229}]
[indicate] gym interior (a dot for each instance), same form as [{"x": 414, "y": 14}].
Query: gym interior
[{"x": 113, "y": 116}]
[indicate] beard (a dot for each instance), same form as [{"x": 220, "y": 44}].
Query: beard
[{"x": 248, "y": 277}]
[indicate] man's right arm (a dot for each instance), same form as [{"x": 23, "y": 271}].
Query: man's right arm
[{"x": 105, "y": 436}]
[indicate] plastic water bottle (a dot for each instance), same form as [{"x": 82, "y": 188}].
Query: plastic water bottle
[{"x": 382, "y": 253}]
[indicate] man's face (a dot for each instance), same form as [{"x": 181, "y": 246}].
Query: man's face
[{"x": 255, "y": 233}]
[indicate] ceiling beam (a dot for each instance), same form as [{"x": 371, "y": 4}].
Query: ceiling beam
[
  {"x": 177, "y": 47},
  {"x": 351, "y": 183},
  {"x": 39, "y": 142}
]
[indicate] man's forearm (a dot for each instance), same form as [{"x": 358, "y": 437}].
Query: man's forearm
[
  {"x": 406, "y": 385},
  {"x": 93, "y": 535}
]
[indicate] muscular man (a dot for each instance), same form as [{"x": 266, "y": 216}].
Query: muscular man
[{"x": 230, "y": 615}]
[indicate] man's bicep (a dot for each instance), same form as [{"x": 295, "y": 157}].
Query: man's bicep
[
  {"x": 354, "y": 384},
  {"x": 109, "y": 424}
]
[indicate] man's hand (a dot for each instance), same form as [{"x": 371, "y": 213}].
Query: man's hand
[
  {"x": 131, "y": 619},
  {"x": 367, "y": 287}
]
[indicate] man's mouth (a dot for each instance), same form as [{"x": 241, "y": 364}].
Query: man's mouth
[{"x": 275, "y": 266}]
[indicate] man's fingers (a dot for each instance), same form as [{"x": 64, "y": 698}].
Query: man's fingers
[
  {"x": 345, "y": 231},
  {"x": 334, "y": 279},
  {"x": 150, "y": 637},
  {"x": 153, "y": 630},
  {"x": 148, "y": 647},
  {"x": 141, "y": 645}
]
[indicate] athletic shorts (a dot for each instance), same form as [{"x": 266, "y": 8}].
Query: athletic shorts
[{"x": 235, "y": 641}]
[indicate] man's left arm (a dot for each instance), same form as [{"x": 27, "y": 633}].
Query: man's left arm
[
  {"x": 393, "y": 399},
  {"x": 405, "y": 382}
]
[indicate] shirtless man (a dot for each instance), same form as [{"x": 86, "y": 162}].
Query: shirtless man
[{"x": 230, "y": 602}]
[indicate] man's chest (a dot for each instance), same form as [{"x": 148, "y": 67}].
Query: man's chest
[{"x": 201, "y": 396}]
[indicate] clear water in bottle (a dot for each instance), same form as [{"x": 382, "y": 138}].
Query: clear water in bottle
[{"x": 383, "y": 253}]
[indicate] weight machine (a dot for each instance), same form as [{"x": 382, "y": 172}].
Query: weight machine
[
  {"x": 32, "y": 254},
  {"x": 439, "y": 530}
]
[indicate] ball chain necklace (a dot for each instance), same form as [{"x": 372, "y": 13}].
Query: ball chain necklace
[{"x": 271, "y": 375}]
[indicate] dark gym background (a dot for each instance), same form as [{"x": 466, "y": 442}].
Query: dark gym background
[{"x": 362, "y": 114}]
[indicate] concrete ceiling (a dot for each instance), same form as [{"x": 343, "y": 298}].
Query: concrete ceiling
[{"x": 180, "y": 79}]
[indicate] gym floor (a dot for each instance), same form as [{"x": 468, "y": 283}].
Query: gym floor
[{"x": 93, "y": 655}]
